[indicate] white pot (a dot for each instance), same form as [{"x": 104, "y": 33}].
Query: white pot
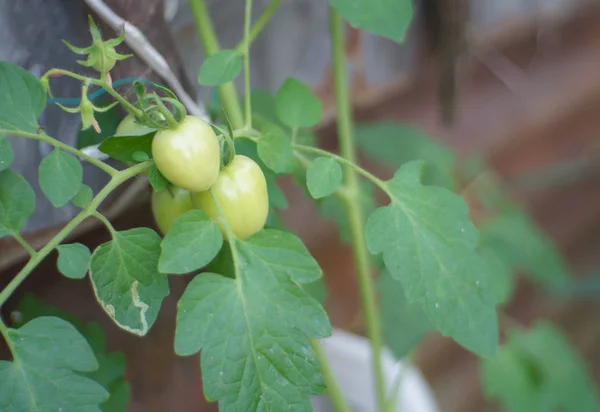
[{"x": 350, "y": 359}]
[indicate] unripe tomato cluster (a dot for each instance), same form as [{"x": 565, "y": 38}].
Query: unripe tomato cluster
[{"x": 189, "y": 157}]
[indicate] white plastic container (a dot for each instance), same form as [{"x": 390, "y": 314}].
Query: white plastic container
[{"x": 350, "y": 359}]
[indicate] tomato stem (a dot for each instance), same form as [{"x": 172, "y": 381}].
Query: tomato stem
[
  {"x": 248, "y": 104},
  {"x": 228, "y": 96},
  {"x": 262, "y": 20},
  {"x": 353, "y": 203}
]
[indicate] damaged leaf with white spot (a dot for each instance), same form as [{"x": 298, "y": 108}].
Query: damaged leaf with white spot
[{"x": 127, "y": 283}]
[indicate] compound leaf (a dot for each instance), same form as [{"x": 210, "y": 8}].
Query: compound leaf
[
  {"x": 253, "y": 328},
  {"x": 323, "y": 177},
  {"x": 49, "y": 357},
  {"x": 275, "y": 149},
  {"x": 124, "y": 274},
  {"x": 429, "y": 245}
]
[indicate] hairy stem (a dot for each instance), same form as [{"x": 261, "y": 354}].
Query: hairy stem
[
  {"x": 88, "y": 211},
  {"x": 353, "y": 204},
  {"x": 227, "y": 93}
]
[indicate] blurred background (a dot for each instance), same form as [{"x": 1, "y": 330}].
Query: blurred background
[{"x": 527, "y": 102}]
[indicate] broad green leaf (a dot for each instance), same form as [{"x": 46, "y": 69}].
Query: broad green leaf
[
  {"x": 404, "y": 323},
  {"x": 123, "y": 147},
  {"x": 396, "y": 145},
  {"x": 253, "y": 329},
  {"x": 387, "y": 18},
  {"x": 220, "y": 68},
  {"x": 538, "y": 370},
  {"x": 124, "y": 274},
  {"x": 83, "y": 197},
  {"x": 6, "y": 153},
  {"x": 17, "y": 202},
  {"x": 523, "y": 245},
  {"x": 60, "y": 177},
  {"x": 263, "y": 108},
  {"x": 275, "y": 149},
  {"x": 428, "y": 244},
  {"x": 323, "y": 177},
  {"x": 296, "y": 105},
  {"x": 191, "y": 243},
  {"x": 111, "y": 371},
  {"x": 317, "y": 290},
  {"x": 49, "y": 357},
  {"x": 23, "y": 99},
  {"x": 74, "y": 260},
  {"x": 156, "y": 178}
]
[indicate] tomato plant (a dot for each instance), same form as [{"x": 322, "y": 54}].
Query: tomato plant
[
  {"x": 241, "y": 194},
  {"x": 248, "y": 305}
]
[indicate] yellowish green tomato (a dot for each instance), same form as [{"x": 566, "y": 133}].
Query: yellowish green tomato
[
  {"x": 168, "y": 205},
  {"x": 188, "y": 155},
  {"x": 241, "y": 192}
]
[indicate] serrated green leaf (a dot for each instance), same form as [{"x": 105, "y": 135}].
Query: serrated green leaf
[
  {"x": 60, "y": 177},
  {"x": 74, "y": 260},
  {"x": 404, "y": 323},
  {"x": 296, "y": 105},
  {"x": 111, "y": 371},
  {"x": 317, "y": 290},
  {"x": 323, "y": 177},
  {"x": 23, "y": 99},
  {"x": 191, "y": 243},
  {"x": 127, "y": 283},
  {"x": 387, "y": 18},
  {"x": 538, "y": 370},
  {"x": 123, "y": 147},
  {"x": 6, "y": 153},
  {"x": 396, "y": 145},
  {"x": 220, "y": 68},
  {"x": 83, "y": 197},
  {"x": 523, "y": 245},
  {"x": 429, "y": 245},
  {"x": 275, "y": 149},
  {"x": 49, "y": 355},
  {"x": 253, "y": 328},
  {"x": 156, "y": 178},
  {"x": 17, "y": 202}
]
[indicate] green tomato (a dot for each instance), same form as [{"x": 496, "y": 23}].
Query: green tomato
[
  {"x": 103, "y": 62},
  {"x": 241, "y": 192},
  {"x": 189, "y": 156},
  {"x": 168, "y": 205},
  {"x": 128, "y": 125}
]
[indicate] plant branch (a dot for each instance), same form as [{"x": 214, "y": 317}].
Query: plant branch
[
  {"x": 263, "y": 19},
  {"x": 227, "y": 93},
  {"x": 63, "y": 146},
  {"x": 353, "y": 204},
  {"x": 24, "y": 243},
  {"x": 88, "y": 211},
  {"x": 334, "y": 391},
  {"x": 248, "y": 106}
]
